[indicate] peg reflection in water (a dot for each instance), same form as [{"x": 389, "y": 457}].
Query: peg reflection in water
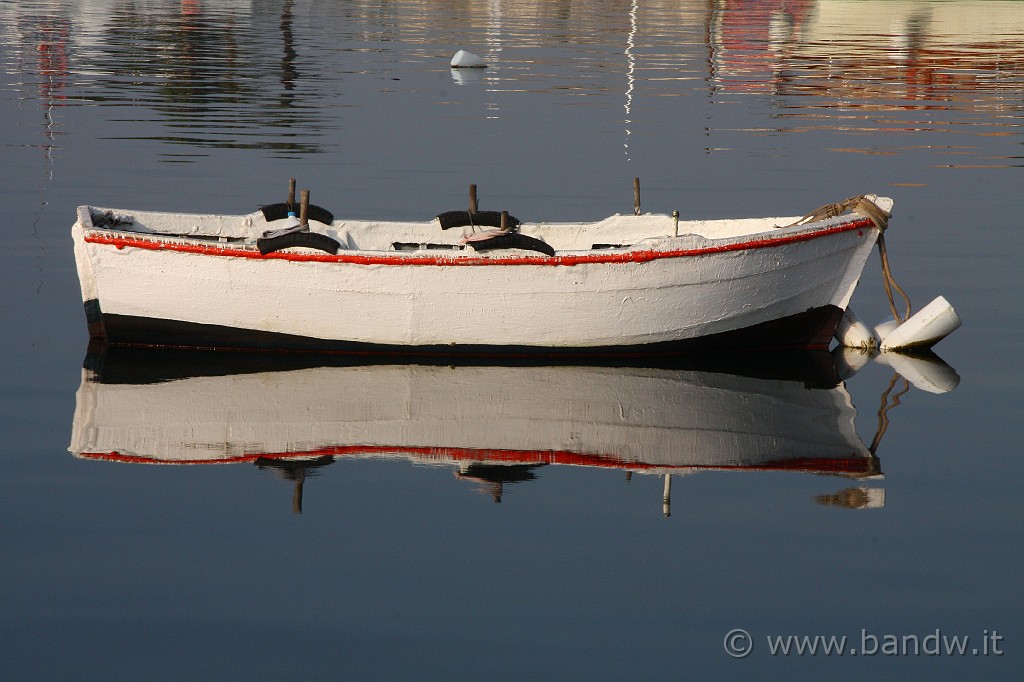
[{"x": 493, "y": 425}]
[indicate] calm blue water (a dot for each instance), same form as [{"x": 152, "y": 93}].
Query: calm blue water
[{"x": 402, "y": 570}]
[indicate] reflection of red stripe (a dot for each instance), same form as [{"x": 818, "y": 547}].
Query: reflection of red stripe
[
  {"x": 140, "y": 242},
  {"x": 853, "y": 464}
]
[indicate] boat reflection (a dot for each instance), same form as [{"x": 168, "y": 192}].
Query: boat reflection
[
  {"x": 496, "y": 426},
  {"x": 854, "y": 498}
]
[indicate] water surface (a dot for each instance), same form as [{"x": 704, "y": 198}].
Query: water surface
[{"x": 401, "y": 564}]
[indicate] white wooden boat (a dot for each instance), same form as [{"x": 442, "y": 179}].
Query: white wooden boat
[
  {"x": 626, "y": 284},
  {"x": 484, "y": 422}
]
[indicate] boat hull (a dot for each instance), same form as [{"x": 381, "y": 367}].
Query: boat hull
[
  {"x": 811, "y": 329},
  {"x": 638, "y": 419},
  {"x": 783, "y": 288}
]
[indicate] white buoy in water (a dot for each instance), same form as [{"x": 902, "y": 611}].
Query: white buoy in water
[
  {"x": 884, "y": 328},
  {"x": 852, "y": 333},
  {"x": 926, "y": 373},
  {"x": 923, "y": 329},
  {"x": 849, "y": 361},
  {"x": 467, "y": 60}
]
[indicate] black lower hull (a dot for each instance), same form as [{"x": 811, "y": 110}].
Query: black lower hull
[
  {"x": 811, "y": 329},
  {"x": 801, "y": 337}
]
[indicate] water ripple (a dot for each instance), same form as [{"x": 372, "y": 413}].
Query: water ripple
[{"x": 280, "y": 76}]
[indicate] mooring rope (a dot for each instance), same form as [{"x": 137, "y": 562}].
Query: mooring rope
[
  {"x": 858, "y": 204},
  {"x": 866, "y": 207},
  {"x": 890, "y": 282},
  {"x": 883, "y": 409}
]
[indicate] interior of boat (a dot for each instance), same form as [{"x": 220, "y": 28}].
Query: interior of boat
[{"x": 614, "y": 232}]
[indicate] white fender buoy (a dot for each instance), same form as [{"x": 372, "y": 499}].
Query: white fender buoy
[
  {"x": 926, "y": 373},
  {"x": 852, "y": 333},
  {"x": 884, "y": 328},
  {"x": 849, "y": 361},
  {"x": 467, "y": 60},
  {"x": 925, "y": 328}
]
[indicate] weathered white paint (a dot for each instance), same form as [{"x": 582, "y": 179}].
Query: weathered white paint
[
  {"x": 648, "y": 419},
  {"x": 531, "y": 303}
]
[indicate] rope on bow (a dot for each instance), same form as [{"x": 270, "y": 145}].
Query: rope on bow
[{"x": 864, "y": 206}]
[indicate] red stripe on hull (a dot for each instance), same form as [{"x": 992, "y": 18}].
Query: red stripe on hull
[
  {"x": 153, "y": 244},
  {"x": 836, "y": 465}
]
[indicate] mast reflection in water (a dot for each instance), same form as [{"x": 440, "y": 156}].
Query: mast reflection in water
[{"x": 496, "y": 426}]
